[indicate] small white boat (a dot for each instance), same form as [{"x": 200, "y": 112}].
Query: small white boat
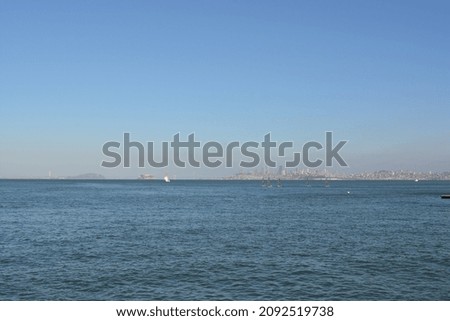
[{"x": 166, "y": 179}]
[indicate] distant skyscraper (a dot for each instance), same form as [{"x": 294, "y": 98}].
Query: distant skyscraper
[{"x": 280, "y": 170}]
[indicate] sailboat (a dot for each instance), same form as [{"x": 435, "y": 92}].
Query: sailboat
[{"x": 166, "y": 179}]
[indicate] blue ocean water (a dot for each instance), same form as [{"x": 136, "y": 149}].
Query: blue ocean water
[{"x": 224, "y": 240}]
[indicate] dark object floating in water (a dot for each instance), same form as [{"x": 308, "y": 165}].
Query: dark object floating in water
[{"x": 445, "y": 196}]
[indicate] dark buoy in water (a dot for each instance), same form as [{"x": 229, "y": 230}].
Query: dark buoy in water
[{"x": 445, "y": 196}]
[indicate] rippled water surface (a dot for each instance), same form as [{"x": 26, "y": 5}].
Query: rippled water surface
[{"x": 224, "y": 240}]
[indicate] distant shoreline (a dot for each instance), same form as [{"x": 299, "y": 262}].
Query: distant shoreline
[{"x": 222, "y": 179}]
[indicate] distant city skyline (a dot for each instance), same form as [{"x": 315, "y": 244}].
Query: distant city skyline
[{"x": 78, "y": 74}]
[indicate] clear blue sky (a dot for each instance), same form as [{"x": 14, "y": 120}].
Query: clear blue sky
[{"x": 74, "y": 74}]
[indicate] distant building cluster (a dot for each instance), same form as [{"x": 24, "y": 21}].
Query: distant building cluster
[
  {"x": 401, "y": 175},
  {"x": 324, "y": 174}
]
